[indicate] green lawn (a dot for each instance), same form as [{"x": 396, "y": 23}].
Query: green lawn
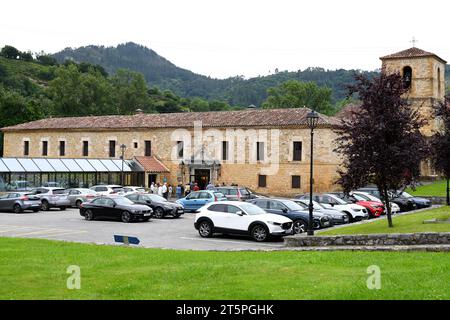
[
  {"x": 402, "y": 224},
  {"x": 36, "y": 269},
  {"x": 437, "y": 189}
]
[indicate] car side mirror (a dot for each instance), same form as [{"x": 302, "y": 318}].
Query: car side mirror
[
  {"x": 332, "y": 204},
  {"x": 285, "y": 210},
  {"x": 149, "y": 201},
  {"x": 240, "y": 213}
]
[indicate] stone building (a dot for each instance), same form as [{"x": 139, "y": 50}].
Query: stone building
[
  {"x": 265, "y": 150},
  {"x": 424, "y": 73}
]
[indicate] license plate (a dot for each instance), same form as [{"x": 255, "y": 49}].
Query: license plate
[
  {"x": 180, "y": 210},
  {"x": 147, "y": 214}
]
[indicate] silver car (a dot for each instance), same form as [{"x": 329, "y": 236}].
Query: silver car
[
  {"x": 79, "y": 195},
  {"x": 17, "y": 202},
  {"x": 52, "y": 198}
]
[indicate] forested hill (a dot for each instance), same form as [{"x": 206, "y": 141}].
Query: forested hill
[{"x": 236, "y": 91}]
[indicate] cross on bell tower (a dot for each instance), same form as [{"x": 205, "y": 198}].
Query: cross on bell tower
[{"x": 414, "y": 41}]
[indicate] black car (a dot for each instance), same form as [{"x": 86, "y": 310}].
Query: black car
[
  {"x": 293, "y": 211},
  {"x": 405, "y": 204},
  {"x": 17, "y": 202},
  {"x": 161, "y": 207},
  {"x": 117, "y": 208},
  {"x": 420, "y": 202}
]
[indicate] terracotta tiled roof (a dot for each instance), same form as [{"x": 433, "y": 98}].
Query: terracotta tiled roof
[
  {"x": 245, "y": 118},
  {"x": 411, "y": 53},
  {"x": 151, "y": 164}
]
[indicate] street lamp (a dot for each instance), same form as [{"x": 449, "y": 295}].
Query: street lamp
[
  {"x": 122, "y": 148},
  {"x": 312, "y": 118}
]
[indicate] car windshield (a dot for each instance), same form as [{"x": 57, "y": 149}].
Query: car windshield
[
  {"x": 252, "y": 209},
  {"x": 406, "y": 195},
  {"x": 123, "y": 201},
  {"x": 292, "y": 205},
  {"x": 360, "y": 196},
  {"x": 244, "y": 192},
  {"x": 338, "y": 200},
  {"x": 157, "y": 198}
]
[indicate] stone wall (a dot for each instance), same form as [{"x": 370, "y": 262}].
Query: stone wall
[{"x": 425, "y": 238}]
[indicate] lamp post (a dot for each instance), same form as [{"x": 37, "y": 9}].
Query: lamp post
[
  {"x": 312, "y": 118},
  {"x": 122, "y": 148}
]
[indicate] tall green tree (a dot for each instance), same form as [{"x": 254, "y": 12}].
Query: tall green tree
[
  {"x": 9, "y": 52},
  {"x": 130, "y": 91},
  {"x": 79, "y": 94},
  {"x": 297, "y": 94}
]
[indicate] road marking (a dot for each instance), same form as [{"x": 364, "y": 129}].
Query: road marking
[
  {"x": 68, "y": 233},
  {"x": 15, "y": 229},
  {"x": 241, "y": 243},
  {"x": 45, "y": 231}
]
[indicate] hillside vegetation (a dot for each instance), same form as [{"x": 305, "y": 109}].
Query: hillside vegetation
[{"x": 235, "y": 90}]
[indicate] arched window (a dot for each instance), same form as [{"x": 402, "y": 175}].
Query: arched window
[
  {"x": 439, "y": 81},
  {"x": 407, "y": 77}
]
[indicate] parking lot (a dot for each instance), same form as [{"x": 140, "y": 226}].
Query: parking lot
[{"x": 157, "y": 233}]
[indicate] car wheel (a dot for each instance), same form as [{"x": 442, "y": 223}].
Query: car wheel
[
  {"x": 350, "y": 217},
  {"x": 17, "y": 208},
  {"x": 45, "y": 206},
  {"x": 78, "y": 204},
  {"x": 89, "y": 215},
  {"x": 62, "y": 208},
  {"x": 159, "y": 213},
  {"x": 126, "y": 217},
  {"x": 205, "y": 229},
  {"x": 299, "y": 226},
  {"x": 259, "y": 233}
]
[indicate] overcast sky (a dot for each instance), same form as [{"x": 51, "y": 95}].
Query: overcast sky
[{"x": 223, "y": 38}]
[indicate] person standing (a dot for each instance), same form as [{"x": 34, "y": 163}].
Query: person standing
[
  {"x": 152, "y": 188},
  {"x": 187, "y": 189},
  {"x": 196, "y": 187},
  {"x": 160, "y": 193},
  {"x": 170, "y": 191},
  {"x": 178, "y": 191},
  {"x": 210, "y": 186},
  {"x": 165, "y": 191}
]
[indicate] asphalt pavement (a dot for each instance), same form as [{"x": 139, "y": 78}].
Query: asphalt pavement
[{"x": 167, "y": 233}]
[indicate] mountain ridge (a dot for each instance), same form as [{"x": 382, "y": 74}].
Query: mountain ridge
[{"x": 160, "y": 72}]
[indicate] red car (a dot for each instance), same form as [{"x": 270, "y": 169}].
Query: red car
[{"x": 374, "y": 208}]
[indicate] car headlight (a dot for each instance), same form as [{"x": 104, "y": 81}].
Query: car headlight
[
  {"x": 356, "y": 210},
  {"x": 274, "y": 223}
]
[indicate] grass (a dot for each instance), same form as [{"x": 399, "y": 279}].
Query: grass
[
  {"x": 36, "y": 269},
  {"x": 436, "y": 189},
  {"x": 409, "y": 223}
]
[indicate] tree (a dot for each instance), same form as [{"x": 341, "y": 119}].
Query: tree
[
  {"x": 380, "y": 142},
  {"x": 297, "y": 94},
  {"x": 9, "y": 52},
  {"x": 81, "y": 94},
  {"x": 26, "y": 56},
  {"x": 46, "y": 60},
  {"x": 440, "y": 143},
  {"x": 130, "y": 91}
]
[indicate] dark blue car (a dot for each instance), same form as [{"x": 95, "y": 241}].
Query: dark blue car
[{"x": 293, "y": 211}]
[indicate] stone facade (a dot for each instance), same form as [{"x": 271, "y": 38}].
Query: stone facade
[{"x": 241, "y": 168}]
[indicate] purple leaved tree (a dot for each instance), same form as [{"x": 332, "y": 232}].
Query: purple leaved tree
[
  {"x": 440, "y": 143},
  {"x": 380, "y": 141}
]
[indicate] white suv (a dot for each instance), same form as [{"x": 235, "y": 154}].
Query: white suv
[
  {"x": 330, "y": 201},
  {"x": 232, "y": 217}
]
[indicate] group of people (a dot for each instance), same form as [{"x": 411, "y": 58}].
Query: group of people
[{"x": 166, "y": 190}]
